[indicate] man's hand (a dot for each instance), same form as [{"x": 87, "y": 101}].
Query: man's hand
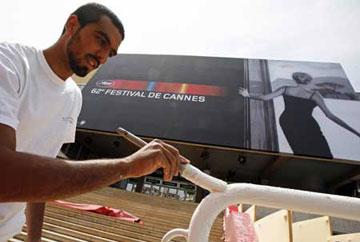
[{"x": 153, "y": 156}]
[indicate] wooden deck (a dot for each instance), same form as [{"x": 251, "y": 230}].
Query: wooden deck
[{"x": 158, "y": 214}]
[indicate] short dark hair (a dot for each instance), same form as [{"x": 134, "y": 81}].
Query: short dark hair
[
  {"x": 92, "y": 12},
  {"x": 296, "y": 75}
]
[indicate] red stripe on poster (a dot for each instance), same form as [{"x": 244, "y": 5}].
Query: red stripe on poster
[{"x": 165, "y": 87}]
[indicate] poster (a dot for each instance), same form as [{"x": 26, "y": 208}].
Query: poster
[{"x": 201, "y": 100}]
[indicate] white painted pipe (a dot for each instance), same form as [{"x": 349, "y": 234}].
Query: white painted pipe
[
  {"x": 202, "y": 179},
  {"x": 275, "y": 197},
  {"x": 175, "y": 233}
]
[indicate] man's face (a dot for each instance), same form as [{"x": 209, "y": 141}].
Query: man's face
[{"x": 91, "y": 45}]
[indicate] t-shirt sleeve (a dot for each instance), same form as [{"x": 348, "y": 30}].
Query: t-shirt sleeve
[{"x": 9, "y": 93}]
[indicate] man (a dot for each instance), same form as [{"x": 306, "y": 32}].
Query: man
[{"x": 39, "y": 106}]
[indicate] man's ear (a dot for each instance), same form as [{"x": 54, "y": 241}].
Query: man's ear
[{"x": 72, "y": 25}]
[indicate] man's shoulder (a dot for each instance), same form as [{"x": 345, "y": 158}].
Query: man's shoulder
[
  {"x": 13, "y": 52},
  {"x": 7, "y": 47}
]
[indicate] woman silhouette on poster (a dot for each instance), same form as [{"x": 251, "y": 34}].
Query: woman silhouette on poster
[{"x": 301, "y": 130}]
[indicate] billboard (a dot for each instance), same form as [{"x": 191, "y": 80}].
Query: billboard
[{"x": 301, "y": 108}]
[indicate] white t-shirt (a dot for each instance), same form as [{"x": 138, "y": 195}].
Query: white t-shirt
[{"x": 41, "y": 107}]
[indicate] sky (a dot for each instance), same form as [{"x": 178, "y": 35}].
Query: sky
[{"x": 321, "y": 30}]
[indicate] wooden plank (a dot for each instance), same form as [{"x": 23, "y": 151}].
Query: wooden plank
[
  {"x": 47, "y": 240},
  {"x": 275, "y": 227},
  {"x": 312, "y": 230},
  {"x": 241, "y": 208},
  {"x": 252, "y": 212},
  {"x": 14, "y": 240},
  {"x": 354, "y": 237},
  {"x": 107, "y": 227},
  {"x": 111, "y": 232},
  {"x": 75, "y": 233},
  {"x": 51, "y": 235}
]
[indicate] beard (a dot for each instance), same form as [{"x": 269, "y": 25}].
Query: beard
[
  {"x": 75, "y": 66},
  {"x": 73, "y": 62}
]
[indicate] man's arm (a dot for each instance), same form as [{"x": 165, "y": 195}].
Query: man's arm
[
  {"x": 34, "y": 221},
  {"x": 32, "y": 178}
]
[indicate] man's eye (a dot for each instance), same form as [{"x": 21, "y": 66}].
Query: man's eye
[{"x": 101, "y": 41}]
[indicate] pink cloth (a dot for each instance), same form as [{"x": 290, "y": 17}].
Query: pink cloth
[
  {"x": 233, "y": 208},
  {"x": 108, "y": 211},
  {"x": 238, "y": 227}
]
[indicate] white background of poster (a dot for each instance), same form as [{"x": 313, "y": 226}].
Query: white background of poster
[
  {"x": 343, "y": 144},
  {"x": 322, "y": 30}
]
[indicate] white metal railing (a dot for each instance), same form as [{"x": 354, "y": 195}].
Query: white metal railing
[{"x": 222, "y": 195}]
